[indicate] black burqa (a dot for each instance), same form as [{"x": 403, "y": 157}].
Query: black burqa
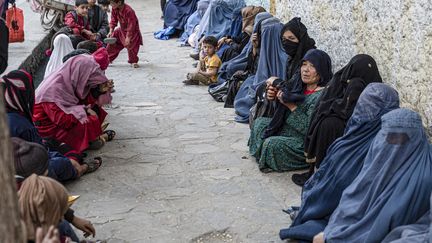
[
  {"x": 337, "y": 104},
  {"x": 293, "y": 86}
]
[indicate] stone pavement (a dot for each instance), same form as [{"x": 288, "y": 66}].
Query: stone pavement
[{"x": 178, "y": 170}]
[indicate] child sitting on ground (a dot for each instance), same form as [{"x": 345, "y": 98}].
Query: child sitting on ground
[
  {"x": 208, "y": 66},
  {"x": 128, "y": 35},
  {"x": 78, "y": 21},
  {"x": 98, "y": 19}
]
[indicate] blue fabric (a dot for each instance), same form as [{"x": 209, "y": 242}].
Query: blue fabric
[
  {"x": 393, "y": 187},
  {"x": 194, "y": 20},
  {"x": 344, "y": 160},
  {"x": 217, "y": 19},
  {"x": 240, "y": 62},
  {"x": 164, "y": 34},
  {"x": 236, "y": 24},
  {"x": 272, "y": 62},
  {"x": 60, "y": 168},
  {"x": 65, "y": 229},
  {"x": 420, "y": 232},
  {"x": 177, "y": 12}
]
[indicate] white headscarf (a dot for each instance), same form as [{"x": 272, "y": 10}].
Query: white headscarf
[{"x": 62, "y": 47}]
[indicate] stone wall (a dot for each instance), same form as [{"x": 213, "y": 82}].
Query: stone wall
[{"x": 398, "y": 34}]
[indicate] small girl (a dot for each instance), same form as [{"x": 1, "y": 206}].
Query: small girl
[{"x": 128, "y": 35}]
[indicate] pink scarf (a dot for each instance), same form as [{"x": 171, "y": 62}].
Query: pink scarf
[{"x": 71, "y": 83}]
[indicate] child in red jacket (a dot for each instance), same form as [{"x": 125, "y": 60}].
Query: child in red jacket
[
  {"x": 128, "y": 34},
  {"x": 78, "y": 21}
]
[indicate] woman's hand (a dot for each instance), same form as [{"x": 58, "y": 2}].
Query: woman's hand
[
  {"x": 52, "y": 236},
  {"x": 319, "y": 238},
  {"x": 84, "y": 225},
  {"x": 221, "y": 42},
  {"x": 105, "y": 87},
  {"x": 271, "y": 93},
  {"x": 291, "y": 106},
  {"x": 91, "y": 112},
  {"x": 254, "y": 39}
]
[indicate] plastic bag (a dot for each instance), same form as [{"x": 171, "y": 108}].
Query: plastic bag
[
  {"x": 219, "y": 91},
  {"x": 15, "y": 23}
]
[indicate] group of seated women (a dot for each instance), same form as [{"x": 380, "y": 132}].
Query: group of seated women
[
  {"x": 368, "y": 162},
  {"x": 51, "y": 128}
]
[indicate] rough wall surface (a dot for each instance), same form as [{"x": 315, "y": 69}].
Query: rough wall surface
[
  {"x": 263, "y": 3},
  {"x": 398, "y": 34}
]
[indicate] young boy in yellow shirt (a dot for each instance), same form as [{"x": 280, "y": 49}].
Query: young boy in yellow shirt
[{"x": 208, "y": 66}]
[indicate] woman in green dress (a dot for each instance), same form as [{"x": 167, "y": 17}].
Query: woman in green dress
[{"x": 284, "y": 151}]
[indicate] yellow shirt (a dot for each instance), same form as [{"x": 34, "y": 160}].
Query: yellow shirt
[{"x": 212, "y": 62}]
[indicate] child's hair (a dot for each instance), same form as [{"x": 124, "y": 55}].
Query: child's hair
[
  {"x": 89, "y": 45},
  {"x": 117, "y": 1},
  {"x": 80, "y": 2},
  {"x": 211, "y": 40}
]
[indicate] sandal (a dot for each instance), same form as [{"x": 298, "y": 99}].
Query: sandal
[
  {"x": 105, "y": 125},
  {"x": 111, "y": 135},
  {"x": 92, "y": 166},
  {"x": 96, "y": 144}
]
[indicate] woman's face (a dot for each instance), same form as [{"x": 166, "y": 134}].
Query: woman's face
[
  {"x": 288, "y": 35},
  {"x": 309, "y": 74}
]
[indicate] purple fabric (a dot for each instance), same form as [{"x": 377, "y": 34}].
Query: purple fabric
[{"x": 70, "y": 84}]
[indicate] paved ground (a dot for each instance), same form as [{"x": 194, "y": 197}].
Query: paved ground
[{"x": 179, "y": 170}]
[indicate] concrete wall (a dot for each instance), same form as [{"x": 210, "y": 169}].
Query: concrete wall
[{"x": 398, "y": 34}]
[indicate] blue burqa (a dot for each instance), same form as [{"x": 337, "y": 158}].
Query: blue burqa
[
  {"x": 272, "y": 62},
  {"x": 194, "y": 20},
  {"x": 177, "y": 12},
  {"x": 235, "y": 29},
  {"x": 393, "y": 187},
  {"x": 344, "y": 160},
  {"x": 419, "y": 232},
  {"x": 240, "y": 62},
  {"x": 217, "y": 19}
]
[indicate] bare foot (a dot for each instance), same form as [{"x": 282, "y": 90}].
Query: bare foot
[{"x": 135, "y": 65}]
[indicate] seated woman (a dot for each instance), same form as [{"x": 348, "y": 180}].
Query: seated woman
[
  {"x": 62, "y": 46},
  {"x": 272, "y": 62},
  {"x": 176, "y": 13},
  {"x": 284, "y": 152},
  {"x": 248, "y": 53},
  {"x": 321, "y": 193},
  {"x": 19, "y": 100},
  {"x": 232, "y": 45},
  {"x": 335, "y": 108},
  {"x": 68, "y": 103},
  {"x": 393, "y": 187},
  {"x": 193, "y": 21}
]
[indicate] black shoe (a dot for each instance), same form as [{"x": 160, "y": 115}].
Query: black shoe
[
  {"x": 300, "y": 179},
  {"x": 190, "y": 82},
  {"x": 195, "y": 56}
]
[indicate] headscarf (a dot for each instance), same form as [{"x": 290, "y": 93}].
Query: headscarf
[
  {"x": 393, "y": 187},
  {"x": 322, "y": 63},
  {"x": 19, "y": 93},
  {"x": 62, "y": 47},
  {"x": 75, "y": 53},
  {"x": 42, "y": 202},
  {"x": 419, "y": 232},
  {"x": 296, "y": 50},
  {"x": 322, "y": 192},
  {"x": 101, "y": 57},
  {"x": 29, "y": 157},
  {"x": 70, "y": 84},
  {"x": 240, "y": 62},
  {"x": 248, "y": 16},
  {"x": 338, "y": 100}
]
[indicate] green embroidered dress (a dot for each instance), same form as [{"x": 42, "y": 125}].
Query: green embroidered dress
[{"x": 286, "y": 151}]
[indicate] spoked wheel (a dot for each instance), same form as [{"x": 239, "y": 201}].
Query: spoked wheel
[{"x": 51, "y": 19}]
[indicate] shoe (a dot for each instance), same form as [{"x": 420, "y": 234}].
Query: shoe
[
  {"x": 135, "y": 65},
  {"x": 195, "y": 56},
  {"x": 191, "y": 82},
  {"x": 300, "y": 179},
  {"x": 195, "y": 65}
]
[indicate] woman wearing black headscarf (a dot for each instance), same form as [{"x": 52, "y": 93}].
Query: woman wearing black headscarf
[
  {"x": 285, "y": 151},
  {"x": 335, "y": 108},
  {"x": 296, "y": 42}
]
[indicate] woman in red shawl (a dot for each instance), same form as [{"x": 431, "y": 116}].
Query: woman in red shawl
[{"x": 67, "y": 107}]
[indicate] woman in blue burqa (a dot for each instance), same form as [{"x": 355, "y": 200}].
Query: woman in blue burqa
[
  {"x": 393, "y": 187},
  {"x": 272, "y": 62},
  {"x": 194, "y": 20},
  {"x": 177, "y": 12},
  {"x": 322, "y": 192}
]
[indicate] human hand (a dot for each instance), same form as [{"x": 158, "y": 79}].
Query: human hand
[
  {"x": 291, "y": 106},
  {"x": 271, "y": 92},
  {"x": 270, "y": 81},
  {"x": 84, "y": 225},
  {"x": 52, "y": 236},
  {"x": 91, "y": 112},
  {"x": 127, "y": 42},
  {"x": 254, "y": 39},
  {"x": 107, "y": 86},
  {"x": 221, "y": 42}
]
